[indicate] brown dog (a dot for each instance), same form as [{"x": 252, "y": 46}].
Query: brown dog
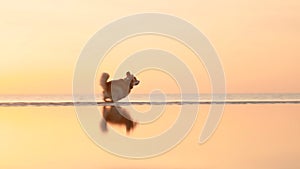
[
  {"x": 117, "y": 89},
  {"x": 117, "y": 115}
]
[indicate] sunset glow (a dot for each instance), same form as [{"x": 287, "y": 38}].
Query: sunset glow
[{"x": 257, "y": 42}]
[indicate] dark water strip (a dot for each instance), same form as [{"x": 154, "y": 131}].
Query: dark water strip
[{"x": 69, "y": 103}]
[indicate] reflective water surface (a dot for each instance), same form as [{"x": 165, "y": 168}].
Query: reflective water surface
[{"x": 249, "y": 136}]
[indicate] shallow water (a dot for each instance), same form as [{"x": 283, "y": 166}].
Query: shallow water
[
  {"x": 249, "y": 136},
  {"x": 152, "y": 99}
]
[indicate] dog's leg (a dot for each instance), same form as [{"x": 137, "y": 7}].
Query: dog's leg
[{"x": 107, "y": 99}]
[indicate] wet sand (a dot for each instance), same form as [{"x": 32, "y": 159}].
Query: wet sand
[{"x": 249, "y": 136}]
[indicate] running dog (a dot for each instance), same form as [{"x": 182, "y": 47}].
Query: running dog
[{"x": 117, "y": 89}]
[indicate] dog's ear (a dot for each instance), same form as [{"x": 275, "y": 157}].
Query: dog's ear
[{"x": 128, "y": 74}]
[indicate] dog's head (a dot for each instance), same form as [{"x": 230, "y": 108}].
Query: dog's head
[{"x": 133, "y": 80}]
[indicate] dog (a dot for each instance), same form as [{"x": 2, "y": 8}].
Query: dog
[
  {"x": 117, "y": 89},
  {"x": 116, "y": 115}
]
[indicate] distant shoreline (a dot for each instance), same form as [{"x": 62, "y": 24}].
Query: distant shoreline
[{"x": 70, "y": 103}]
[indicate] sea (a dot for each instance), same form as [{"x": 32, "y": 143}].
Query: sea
[
  {"x": 68, "y": 100},
  {"x": 258, "y": 131}
]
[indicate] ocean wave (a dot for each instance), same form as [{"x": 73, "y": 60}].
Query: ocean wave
[{"x": 70, "y": 103}]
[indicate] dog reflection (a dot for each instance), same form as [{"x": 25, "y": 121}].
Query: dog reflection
[{"x": 117, "y": 115}]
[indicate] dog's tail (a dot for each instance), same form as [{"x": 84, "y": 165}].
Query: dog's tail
[{"x": 103, "y": 80}]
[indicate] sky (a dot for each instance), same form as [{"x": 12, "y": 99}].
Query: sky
[{"x": 257, "y": 42}]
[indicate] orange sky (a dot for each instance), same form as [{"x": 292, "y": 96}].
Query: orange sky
[{"x": 257, "y": 41}]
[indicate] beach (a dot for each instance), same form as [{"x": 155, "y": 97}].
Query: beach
[
  {"x": 248, "y": 136},
  {"x": 150, "y": 84}
]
